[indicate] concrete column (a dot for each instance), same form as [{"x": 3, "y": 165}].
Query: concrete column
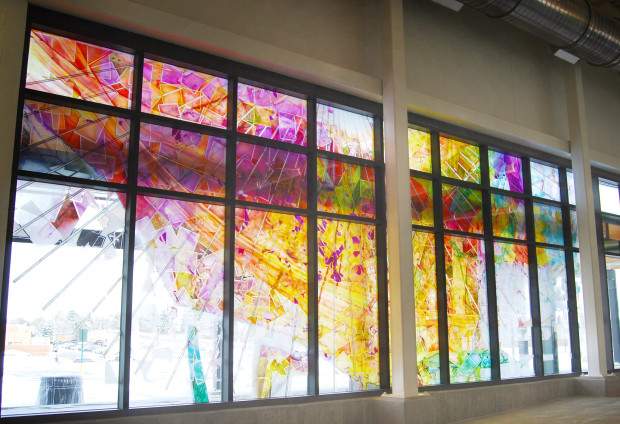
[
  {"x": 400, "y": 251},
  {"x": 588, "y": 250}
]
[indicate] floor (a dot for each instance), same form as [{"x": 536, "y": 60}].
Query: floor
[{"x": 571, "y": 410}]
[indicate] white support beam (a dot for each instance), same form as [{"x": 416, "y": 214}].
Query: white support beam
[{"x": 400, "y": 250}]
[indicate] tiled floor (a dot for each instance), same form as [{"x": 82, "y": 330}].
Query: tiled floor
[{"x": 571, "y": 410}]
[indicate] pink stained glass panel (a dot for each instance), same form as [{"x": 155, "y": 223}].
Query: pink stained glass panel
[
  {"x": 462, "y": 209},
  {"x": 421, "y": 201},
  {"x": 345, "y": 132},
  {"x": 505, "y": 171}
]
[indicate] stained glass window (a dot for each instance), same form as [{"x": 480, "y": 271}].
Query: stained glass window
[
  {"x": 459, "y": 160},
  {"x": 427, "y": 328},
  {"x": 349, "y": 133},
  {"x": 548, "y": 224},
  {"x": 67, "y": 245},
  {"x": 179, "y": 160},
  {"x": 512, "y": 282},
  {"x": 508, "y": 216},
  {"x": 267, "y": 113},
  {"x": 545, "y": 181},
  {"x": 177, "y": 302},
  {"x": 271, "y": 305},
  {"x": 505, "y": 171},
  {"x": 75, "y": 143},
  {"x": 570, "y": 182},
  {"x": 345, "y": 188},
  {"x": 462, "y": 209},
  {"x": 421, "y": 201},
  {"x": 574, "y": 229},
  {"x": 274, "y": 176},
  {"x": 468, "y": 318},
  {"x": 79, "y": 70},
  {"x": 419, "y": 150},
  {"x": 348, "y": 339},
  {"x": 183, "y": 93},
  {"x": 553, "y": 311}
]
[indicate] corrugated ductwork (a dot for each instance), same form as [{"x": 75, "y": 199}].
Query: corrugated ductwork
[{"x": 571, "y": 25}]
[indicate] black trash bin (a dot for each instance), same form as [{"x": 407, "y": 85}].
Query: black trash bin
[{"x": 58, "y": 390}]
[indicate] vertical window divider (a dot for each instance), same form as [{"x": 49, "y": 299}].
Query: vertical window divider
[
  {"x": 311, "y": 251},
  {"x": 533, "y": 269},
  {"x": 440, "y": 263},
  {"x": 228, "y": 315},
  {"x": 381, "y": 231},
  {"x": 490, "y": 264}
]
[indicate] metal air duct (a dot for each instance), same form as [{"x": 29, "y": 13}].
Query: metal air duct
[{"x": 570, "y": 25}]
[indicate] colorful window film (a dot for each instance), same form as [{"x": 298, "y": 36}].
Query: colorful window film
[
  {"x": 462, "y": 209},
  {"x": 348, "y": 321},
  {"x": 274, "y": 176},
  {"x": 344, "y": 132},
  {"x": 67, "y": 245},
  {"x": 421, "y": 201},
  {"x": 548, "y": 224},
  {"x": 271, "y": 305},
  {"x": 79, "y": 70},
  {"x": 345, "y": 188},
  {"x": 505, "y": 171},
  {"x": 176, "y": 333},
  {"x": 179, "y": 160},
  {"x": 459, "y": 160},
  {"x": 508, "y": 217},
  {"x": 420, "y": 150},
  {"x": 75, "y": 143},
  {"x": 468, "y": 318},
  {"x": 545, "y": 181},
  {"x": 427, "y": 328},
  {"x": 581, "y": 320},
  {"x": 610, "y": 197},
  {"x": 553, "y": 311},
  {"x": 570, "y": 182},
  {"x": 574, "y": 229},
  {"x": 512, "y": 281},
  {"x": 182, "y": 93},
  {"x": 269, "y": 114}
]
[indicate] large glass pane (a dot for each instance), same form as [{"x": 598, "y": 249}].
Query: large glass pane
[
  {"x": 508, "y": 216},
  {"x": 468, "y": 317},
  {"x": 349, "y": 133},
  {"x": 345, "y": 188},
  {"x": 611, "y": 234},
  {"x": 613, "y": 278},
  {"x": 64, "y": 302},
  {"x": 545, "y": 181},
  {"x": 274, "y": 176},
  {"x": 570, "y": 182},
  {"x": 271, "y": 305},
  {"x": 183, "y": 93},
  {"x": 548, "y": 224},
  {"x": 176, "y": 332},
  {"x": 348, "y": 320},
  {"x": 462, "y": 209},
  {"x": 267, "y": 113},
  {"x": 505, "y": 171},
  {"x": 459, "y": 160},
  {"x": 574, "y": 229},
  {"x": 420, "y": 151},
  {"x": 581, "y": 321},
  {"x": 512, "y": 280},
  {"x": 75, "y": 143},
  {"x": 421, "y": 201},
  {"x": 72, "y": 68},
  {"x": 427, "y": 328},
  {"x": 610, "y": 198},
  {"x": 172, "y": 159},
  {"x": 553, "y": 311}
]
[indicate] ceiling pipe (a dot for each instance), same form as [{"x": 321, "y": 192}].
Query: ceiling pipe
[{"x": 571, "y": 25}]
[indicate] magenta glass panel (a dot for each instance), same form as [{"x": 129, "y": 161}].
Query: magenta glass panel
[
  {"x": 345, "y": 188},
  {"x": 172, "y": 159},
  {"x": 462, "y": 209},
  {"x": 183, "y": 93},
  {"x": 421, "y": 201},
  {"x": 267, "y": 113},
  {"x": 505, "y": 171},
  {"x": 75, "y": 143},
  {"x": 508, "y": 216},
  {"x": 273, "y": 176},
  {"x": 349, "y": 133}
]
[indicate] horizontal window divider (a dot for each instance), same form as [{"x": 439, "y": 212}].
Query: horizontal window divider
[
  {"x": 510, "y": 240},
  {"x": 458, "y": 233},
  {"x": 547, "y": 202},
  {"x": 272, "y": 144},
  {"x": 243, "y": 204},
  {"x": 179, "y": 195},
  {"x": 508, "y": 193},
  {"x": 610, "y": 217},
  {"x": 461, "y": 183},
  {"x": 63, "y": 101},
  {"x": 323, "y": 154},
  {"x": 417, "y": 227},
  {"x": 552, "y": 246},
  {"x": 71, "y": 181},
  {"x": 166, "y": 121},
  {"x": 350, "y": 218},
  {"x": 420, "y": 174}
]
